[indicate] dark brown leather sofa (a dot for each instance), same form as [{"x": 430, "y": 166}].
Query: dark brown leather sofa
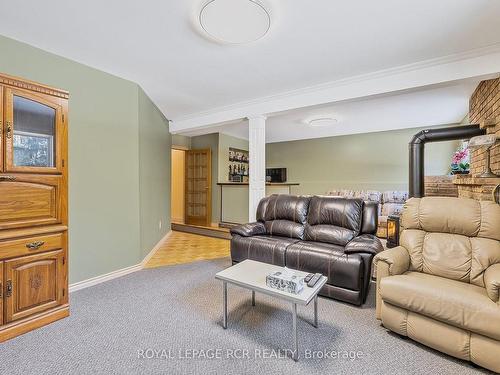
[{"x": 330, "y": 235}]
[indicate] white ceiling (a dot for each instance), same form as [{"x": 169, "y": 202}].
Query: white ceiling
[
  {"x": 443, "y": 105},
  {"x": 157, "y": 43}
]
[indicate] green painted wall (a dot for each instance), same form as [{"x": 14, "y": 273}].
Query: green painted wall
[
  {"x": 104, "y": 159},
  {"x": 211, "y": 141},
  {"x": 181, "y": 141},
  {"x": 154, "y": 174},
  {"x": 374, "y": 161}
]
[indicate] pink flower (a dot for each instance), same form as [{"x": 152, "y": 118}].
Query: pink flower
[{"x": 460, "y": 156}]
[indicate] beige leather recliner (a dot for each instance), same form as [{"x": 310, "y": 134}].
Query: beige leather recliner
[{"x": 441, "y": 286}]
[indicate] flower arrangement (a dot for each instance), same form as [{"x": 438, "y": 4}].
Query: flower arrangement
[{"x": 460, "y": 161}]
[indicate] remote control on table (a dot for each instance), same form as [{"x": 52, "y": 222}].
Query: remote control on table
[
  {"x": 314, "y": 280},
  {"x": 308, "y": 277}
]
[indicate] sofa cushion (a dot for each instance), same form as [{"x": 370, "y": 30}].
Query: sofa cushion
[
  {"x": 333, "y": 220},
  {"x": 342, "y": 270},
  {"x": 287, "y": 207},
  {"x": 450, "y": 255},
  {"x": 249, "y": 229},
  {"x": 286, "y": 215},
  {"x": 369, "y": 222},
  {"x": 466, "y": 217},
  {"x": 453, "y": 302},
  {"x": 395, "y": 196},
  {"x": 285, "y": 228},
  {"x": 366, "y": 243},
  {"x": 389, "y": 209},
  {"x": 262, "y": 248},
  {"x": 261, "y": 210}
]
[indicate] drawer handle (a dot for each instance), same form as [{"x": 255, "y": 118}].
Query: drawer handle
[
  {"x": 35, "y": 245},
  {"x": 7, "y": 178}
]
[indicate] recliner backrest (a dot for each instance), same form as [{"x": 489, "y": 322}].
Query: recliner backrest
[
  {"x": 261, "y": 210},
  {"x": 285, "y": 215},
  {"x": 333, "y": 219},
  {"x": 370, "y": 217},
  {"x": 455, "y": 238}
]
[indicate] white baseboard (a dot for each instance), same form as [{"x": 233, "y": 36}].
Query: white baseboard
[
  {"x": 118, "y": 273},
  {"x": 155, "y": 249},
  {"x": 103, "y": 278}
]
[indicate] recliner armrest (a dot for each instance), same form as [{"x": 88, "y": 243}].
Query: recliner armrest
[
  {"x": 492, "y": 282},
  {"x": 397, "y": 259},
  {"x": 249, "y": 229},
  {"x": 390, "y": 262},
  {"x": 366, "y": 243}
]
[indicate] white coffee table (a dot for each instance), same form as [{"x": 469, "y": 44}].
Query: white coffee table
[{"x": 251, "y": 275}]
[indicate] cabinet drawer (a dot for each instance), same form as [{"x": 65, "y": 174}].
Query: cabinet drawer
[
  {"x": 27, "y": 200},
  {"x": 31, "y": 245}
]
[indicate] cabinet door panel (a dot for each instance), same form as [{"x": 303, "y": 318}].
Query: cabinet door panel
[
  {"x": 27, "y": 200},
  {"x": 33, "y": 132},
  {"x": 1, "y": 129},
  {"x": 1, "y": 293},
  {"x": 36, "y": 283}
]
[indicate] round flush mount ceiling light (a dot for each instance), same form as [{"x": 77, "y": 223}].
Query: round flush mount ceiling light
[
  {"x": 235, "y": 21},
  {"x": 322, "y": 121}
]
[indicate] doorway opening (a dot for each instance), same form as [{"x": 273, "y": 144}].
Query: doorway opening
[
  {"x": 178, "y": 191},
  {"x": 191, "y": 193}
]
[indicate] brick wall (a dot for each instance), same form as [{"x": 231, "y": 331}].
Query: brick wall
[
  {"x": 441, "y": 186},
  {"x": 484, "y": 109}
]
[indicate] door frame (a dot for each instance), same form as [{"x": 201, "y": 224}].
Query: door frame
[{"x": 209, "y": 187}]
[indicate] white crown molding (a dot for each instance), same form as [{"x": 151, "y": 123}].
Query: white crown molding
[
  {"x": 117, "y": 273},
  {"x": 256, "y": 117},
  {"x": 474, "y": 63}
]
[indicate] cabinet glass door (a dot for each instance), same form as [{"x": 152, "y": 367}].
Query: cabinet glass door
[
  {"x": 31, "y": 129},
  {"x": 1, "y": 128}
]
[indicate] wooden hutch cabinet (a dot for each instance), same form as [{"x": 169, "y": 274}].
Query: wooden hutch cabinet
[{"x": 33, "y": 206}]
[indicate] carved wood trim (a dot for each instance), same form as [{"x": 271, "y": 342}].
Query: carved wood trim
[{"x": 32, "y": 86}]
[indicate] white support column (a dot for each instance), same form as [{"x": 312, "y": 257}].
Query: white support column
[{"x": 257, "y": 163}]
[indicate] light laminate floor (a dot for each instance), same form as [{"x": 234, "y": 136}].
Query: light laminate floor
[{"x": 181, "y": 248}]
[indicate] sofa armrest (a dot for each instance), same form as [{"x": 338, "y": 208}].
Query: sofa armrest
[
  {"x": 390, "y": 262},
  {"x": 250, "y": 229},
  {"x": 492, "y": 282},
  {"x": 366, "y": 243},
  {"x": 397, "y": 260}
]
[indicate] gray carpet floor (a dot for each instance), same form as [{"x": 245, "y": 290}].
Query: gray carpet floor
[{"x": 170, "y": 313}]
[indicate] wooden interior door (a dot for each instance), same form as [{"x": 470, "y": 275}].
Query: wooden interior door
[
  {"x": 34, "y": 284},
  {"x": 198, "y": 187}
]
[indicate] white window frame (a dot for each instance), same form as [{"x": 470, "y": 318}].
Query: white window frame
[{"x": 50, "y": 139}]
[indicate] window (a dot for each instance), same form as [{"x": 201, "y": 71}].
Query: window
[
  {"x": 33, "y": 150},
  {"x": 34, "y": 133}
]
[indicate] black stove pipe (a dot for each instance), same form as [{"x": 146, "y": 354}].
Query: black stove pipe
[{"x": 417, "y": 151}]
